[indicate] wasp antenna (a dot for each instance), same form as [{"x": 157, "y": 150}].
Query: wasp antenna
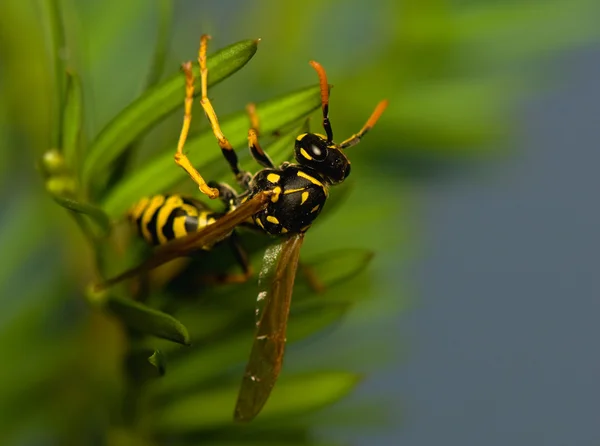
[
  {"x": 355, "y": 139},
  {"x": 324, "y": 98}
]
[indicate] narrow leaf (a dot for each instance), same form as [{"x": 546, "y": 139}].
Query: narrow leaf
[
  {"x": 162, "y": 173},
  {"x": 307, "y": 392},
  {"x": 122, "y": 163},
  {"x": 337, "y": 266},
  {"x": 155, "y": 104},
  {"x": 50, "y": 10},
  {"x": 97, "y": 215},
  {"x": 72, "y": 121},
  {"x": 147, "y": 320},
  {"x": 165, "y": 17},
  {"x": 292, "y": 396},
  {"x": 201, "y": 365}
]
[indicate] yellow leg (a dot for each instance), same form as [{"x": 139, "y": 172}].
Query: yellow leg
[
  {"x": 311, "y": 277},
  {"x": 224, "y": 143},
  {"x": 181, "y": 158},
  {"x": 254, "y": 121},
  {"x": 255, "y": 149}
]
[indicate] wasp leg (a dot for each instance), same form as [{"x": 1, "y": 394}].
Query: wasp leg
[
  {"x": 312, "y": 278},
  {"x": 241, "y": 258},
  {"x": 255, "y": 149},
  {"x": 241, "y": 176},
  {"x": 355, "y": 139},
  {"x": 227, "y": 194},
  {"x": 181, "y": 158}
]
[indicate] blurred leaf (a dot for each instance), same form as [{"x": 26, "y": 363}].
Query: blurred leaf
[
  {"x": 153, "y": 105},
  {"x": 122, "y": 163},
  {"x": 292, "y": 396},
  {"x": 165, "y": 17},
  {"x": 337, "y": 266},
  {"x": 161, "y": 173},
  {"x": 303, "y": 393},
  {"x": 283, "y": 442},
  {"x": 97, "y": 215},
  {"x": 72, "y": 122},
  {"x": 431, "y": 114},
  {"x": 157, "y": 359},
  {"x": 51, "y": 17},
  {"x": 206, "y": 363},
  {"x": 147, "y": 320}
]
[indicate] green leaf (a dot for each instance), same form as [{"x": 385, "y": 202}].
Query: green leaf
[
  {"x": 201, "y": 365},
  {"x": 122, "y": 164},
  {"x": 157, "y": 359},
  {"x": 72, "y": 121},
  {"x": 162, "y": 173},
  {"x": 293, "y": 395},
  {"x": 155, "y": 104},
  {"x": 97, "y": 215},
  {"x": 337, "y": 266},
  {"x": 165, "y": 17},
  {"x": 147, "y": 320},
  {"x": 306, "y": 392},
  {"x": 55, "y": 34}
]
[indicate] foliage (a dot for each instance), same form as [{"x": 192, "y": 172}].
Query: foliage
[{"x": 87, "y": 103}]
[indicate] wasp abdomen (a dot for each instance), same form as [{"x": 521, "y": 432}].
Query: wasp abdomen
[{"x": 161, "y": 218}]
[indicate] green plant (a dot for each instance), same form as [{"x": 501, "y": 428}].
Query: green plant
[{"x": 133, "y": 403}]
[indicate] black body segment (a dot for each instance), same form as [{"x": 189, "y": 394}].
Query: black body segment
[{"x": 299, "y": 195}]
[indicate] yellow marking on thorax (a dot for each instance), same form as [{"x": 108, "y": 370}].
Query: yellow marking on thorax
[
  {"x": 313, "y": 180},
  {"x": 273, "y": 178},
  {"x": 272, "y": 219},
  {"x": 276, "y": 193},
  {"x": 315, "y": 209},
  {"x": 305, "y": 195},
  {"x": 155, "y": 203},
  {"x": 260, "y": 223},
  {"x": 305, "y": 154},
  {"x": 293, "y": 191},
  {"x": 163, "y": 214},
  {"x": 136, "y": 211},
  {"x": 300, "y": 137},
  {"x": 283, "y": 230}
]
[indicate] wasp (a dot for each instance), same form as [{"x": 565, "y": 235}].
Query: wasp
[{"x": 280, "y": 201}]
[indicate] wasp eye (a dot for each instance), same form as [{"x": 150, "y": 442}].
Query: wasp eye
[
  {"x": 317, "y": 153},
  {"x": 347, "y": 171}
]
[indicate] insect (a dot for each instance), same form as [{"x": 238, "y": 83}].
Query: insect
[{"x": 280, "y": 200}]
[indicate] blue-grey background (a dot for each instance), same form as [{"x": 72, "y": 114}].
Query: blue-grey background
[{"x": 504, "y": 332}]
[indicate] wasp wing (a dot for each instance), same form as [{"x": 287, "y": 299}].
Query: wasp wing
[
  {"x": 208, "y": 236},
  {"x": 276, "y": 282}
]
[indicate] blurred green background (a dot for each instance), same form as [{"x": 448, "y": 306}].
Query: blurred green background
[{"x": 455, "y": 73}]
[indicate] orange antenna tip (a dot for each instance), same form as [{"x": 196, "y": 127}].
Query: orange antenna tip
[{"x": 379, "y": 109}]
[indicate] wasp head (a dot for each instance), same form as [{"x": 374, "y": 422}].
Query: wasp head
[{"x": 314, "y": 151}]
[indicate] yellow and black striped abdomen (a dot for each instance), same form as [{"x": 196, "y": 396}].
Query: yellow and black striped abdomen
[{"x": 161, "y": 218}]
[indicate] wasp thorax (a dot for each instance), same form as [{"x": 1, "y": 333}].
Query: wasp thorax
[{"x": 313, "y": 150}]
